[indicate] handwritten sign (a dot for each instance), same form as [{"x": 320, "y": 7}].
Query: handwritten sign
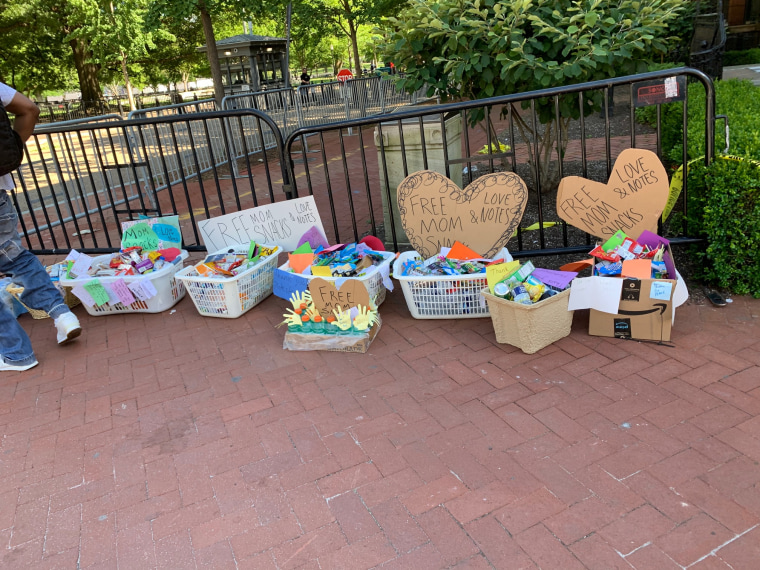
[
  {"x": 152, "y": 233},
  {"x": 327, "y": 296},
  {"x": 140, "y": 234},
  {"x": 281, "y": 223},
  {"x": 97, "y": 292},
  {"x": 435, "y": 212},
  {"x": 286, "y": 283},
  {"x": 631, "y": 201}
]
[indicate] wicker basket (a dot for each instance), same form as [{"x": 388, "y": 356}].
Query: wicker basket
[
  {"x": 68, "y": 297},
  {"x": 530, "y": 327}
]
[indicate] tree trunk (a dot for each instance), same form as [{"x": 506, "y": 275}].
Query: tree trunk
[
  {"x": 213, "y": 56},
  {"x": 86, "y": 72},
  {"x": 127, "y": 83},
  {"x": 355, "y": 46}
]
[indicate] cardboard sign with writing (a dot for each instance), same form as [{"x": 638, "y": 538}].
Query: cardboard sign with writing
[
  {"x": 631, "y": 201},
  {"x": 327, "y": 296},
  {"x": 435, "y": 212},
  {"x": 281, "y": 223}
]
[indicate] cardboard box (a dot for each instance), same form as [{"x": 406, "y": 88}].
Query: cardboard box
[
  {"x": 639, "y": 316},
  {"x": 331, "y": 342}
]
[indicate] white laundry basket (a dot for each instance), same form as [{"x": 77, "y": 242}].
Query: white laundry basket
[
  {"x": 231, "y": 297},
  {"x": 443, "y": 296}
]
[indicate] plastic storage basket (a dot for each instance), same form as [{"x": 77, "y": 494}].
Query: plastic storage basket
[
  {"x": 373, "y": 282},
  {"x": 169, "y": 290},
  {"x": 443, "y": 296},
  {"x": 530, "y": 327},
  {"x": 230, "y": 298}
]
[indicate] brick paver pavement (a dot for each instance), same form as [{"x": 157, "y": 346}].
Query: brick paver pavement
[{"x": 177, "y": 441}]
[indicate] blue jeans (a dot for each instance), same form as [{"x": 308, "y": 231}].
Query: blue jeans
[{"x": 27, "y": 271}]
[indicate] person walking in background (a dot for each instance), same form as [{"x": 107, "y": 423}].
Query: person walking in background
[
  {"x": 305, "y": 77},
  {"x": 16, "y": 351},
  {"x": 305, "y": 83}
]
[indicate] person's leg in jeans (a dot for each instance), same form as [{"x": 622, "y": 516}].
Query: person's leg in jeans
[
  {"x": 15, "y": 347},
  {"x": 39, "y": 292}
]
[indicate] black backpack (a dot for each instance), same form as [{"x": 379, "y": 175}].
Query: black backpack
[{"x": 11, "y": 145}]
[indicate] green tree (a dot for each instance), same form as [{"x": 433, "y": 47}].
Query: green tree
[
  {"x": 472, "y": 49},
  {"x": 115, "y": 33},
  {"x": 348, "y": 16},
  {"x": 192, "y": 10},
  {"x": 35, "y": 55}
]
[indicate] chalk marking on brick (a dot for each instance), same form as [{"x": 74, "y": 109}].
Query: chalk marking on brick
[{"x": 717, "y": 548}]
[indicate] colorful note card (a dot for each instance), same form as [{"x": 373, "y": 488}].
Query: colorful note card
[
  {"x": 578, "y": 265},
  {"x": 300, "y": 261},
  {"x": 661, "y": 290},
  {"x": 462, "y": 252},
  {"x": 122, "y": 292},
  {"x": 557, "y": 279},
  {"x": 149, "y": 288},
  {"x": 81, "y": 265},
  {"x": 321, "y": 271},
  {"x": 498, "y": 271},
  {"x": 637, "y": 268},
  {"x": 83, "y": 295},
  {"x": 304, "y": 248},
  {"x": 286, "y": 283},
  {"x": 137, "y": 291},
  {"x": 97, "y": 292},
  {"x": 314, "y": 237}
]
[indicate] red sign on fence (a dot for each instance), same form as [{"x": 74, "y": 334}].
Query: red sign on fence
[{"x": 345, "y": 74}]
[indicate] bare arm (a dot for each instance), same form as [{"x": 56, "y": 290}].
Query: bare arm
[{"x": 26, "y": 112}]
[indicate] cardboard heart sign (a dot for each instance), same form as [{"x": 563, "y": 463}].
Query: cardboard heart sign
[
  {"x": 632, "y": 200},
  {"x": 327, "y": 297},
  {"x": 435, "y": 212}
]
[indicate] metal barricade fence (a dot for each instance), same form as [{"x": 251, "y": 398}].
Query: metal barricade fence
[
  {"x": 355, "y": 176},
  {"x": 278, "y": 104},
  {"x": 173, "y": 168},
  {"x": 80, "y": 181}
]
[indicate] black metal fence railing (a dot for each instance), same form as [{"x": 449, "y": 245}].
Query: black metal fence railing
[
  {"x": 81, "y": 180},
  {"x": 443, "y": 138},
  {"x": 54, "y": 112}
]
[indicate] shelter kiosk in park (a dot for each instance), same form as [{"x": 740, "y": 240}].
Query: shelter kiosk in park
[{"x": 251, "y": 63}]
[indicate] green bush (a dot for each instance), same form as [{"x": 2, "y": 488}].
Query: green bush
[
  {"x": 738, "y": 99},
  {"x": 745, "y": 57},
  {"x": 724, "y": 208},
  {"x": 724, "y": 198}
]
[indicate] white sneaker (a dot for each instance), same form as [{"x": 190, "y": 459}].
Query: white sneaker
[
  {"x": 68, "y": 327},
  {"x": 7, "y": 366}
]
